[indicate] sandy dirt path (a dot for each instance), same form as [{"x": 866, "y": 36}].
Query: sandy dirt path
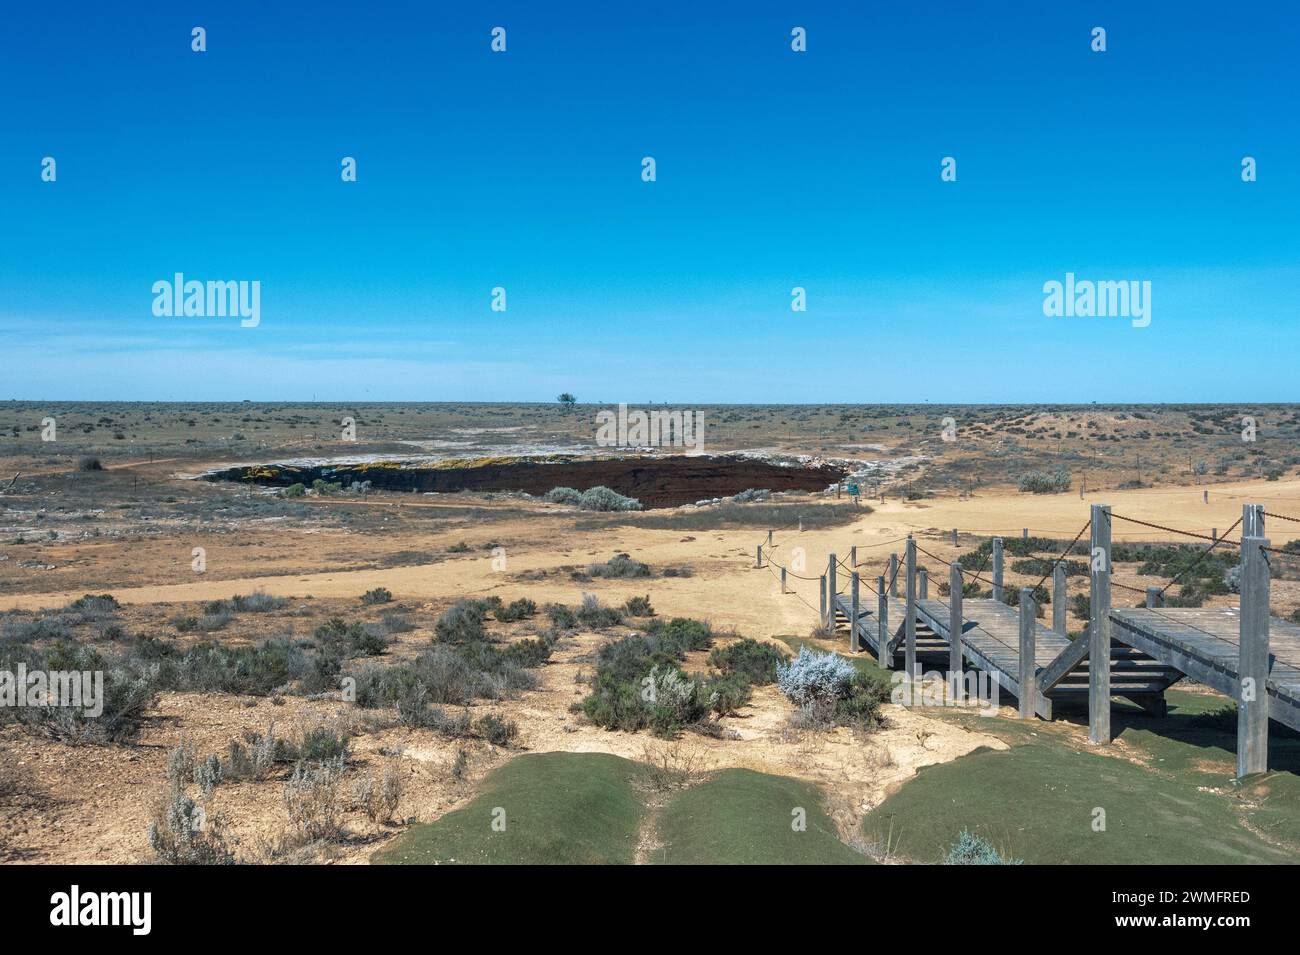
[{"x": 750, "y": 600}]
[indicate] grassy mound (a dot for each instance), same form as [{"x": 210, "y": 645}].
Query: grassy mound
[
  {"x": 583, "y": 808},
  {"x": 740, "y": 817},
  {"x": 559, "y": 808},
  {"x": 1036, "y": 802}
]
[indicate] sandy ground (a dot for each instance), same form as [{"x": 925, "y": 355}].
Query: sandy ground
[{"x": 92, "y": 804}]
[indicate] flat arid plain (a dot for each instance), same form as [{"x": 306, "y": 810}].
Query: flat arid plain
[{"x": 432, "y": 657}]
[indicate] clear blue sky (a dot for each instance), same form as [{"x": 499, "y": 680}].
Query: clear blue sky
[{"x": 775, "y": 169}]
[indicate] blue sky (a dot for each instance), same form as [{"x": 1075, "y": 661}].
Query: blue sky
[{"x": 775, "y": 170}]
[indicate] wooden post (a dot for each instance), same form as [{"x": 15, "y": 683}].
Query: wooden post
[
  {"x": 783, "y": 590},
  {"x": 910, "y": 623},
  {"x": 758, "y": 558},
  {"x": 1205, "y": 496},
  {"x": 1214, "y": 534},
  {"x": 954, "y": 537},
  {"x": 924, "y": 574},
  {"x": 853, "y": 556},
  {"x": 955, "y": 620},
  {"x": 1028, "y": 664},
  {"x": 997, "y": 569},
  {"x": 1099, "y": 627},
  {"x": 893, "y": 575},
  {"x": 853, "y": 613},
  {"x": 1252, "y": 666},
  {"x": 769, "y": 539},
  {"x": 883, "y": 656},
  {"x": 1252, "y": 520},
  {"x": 823, "y": 589},
  {"x": 1024, "y": 533},
  {"x": 1154, "y": 599},
  {"x": 830, "y": 595},
  {"x": 1059, "y": 599}
]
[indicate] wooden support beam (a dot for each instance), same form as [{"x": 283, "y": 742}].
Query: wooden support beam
[
  {"x": 1028, "y": 665},
  {"x": 831, "y": 589},
  {"x": 853, "y": 556},
  {"x": 1154, "y": 599},
  {"x": 1252, "y": 668},
  {"x": 997, "y": 569},
  {"x": 1059, "y": 599},
  {"x": 1099, "y": 627},
  {"x": 955, "y": 621},
  {"x": 924, "y": 574},
  {"x": 883, "y": 656},
  {"x": 893, "y": 575},
  {"x": 853, "y": 613},
  {"x": 823, "y": 589},
  {"x": 910, "y": 623}
]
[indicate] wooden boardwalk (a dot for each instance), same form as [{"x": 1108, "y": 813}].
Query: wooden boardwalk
[
  {"x": 990, "y": 641},
  {"x": 1205, "y": 643},
  {"x": 1242, "y": 652}
]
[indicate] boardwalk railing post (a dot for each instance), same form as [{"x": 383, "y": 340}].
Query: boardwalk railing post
[
  {"x": 883, "y": 656},
  {"x": 853, "y": 614},
  {"x": 997, "y": 569},
  {"x": 893, "y": 575},
  {"x": 1252, "y": 666},
  {"x": 853, "y": 556},
  {"x": 783, "y": 590},
  {"x": 1099, "y": 627},
  {"x": 1059, "y": 596},
  {"x": 769, "y": 539},
  {"x": 1024, "y": 533},
  {"x": 758, "y": 557},
  {"x": 823, "y": 589},
  {"x": 924, "y": 574},
  {"x": 910, "y": 623},
  {"x": 1028, "y": 663},
  {"x": 1252, "y": 520},
  {"x": 1154, "y": 599},
  {"x": 954, "y": 537},
  {"x": 955, "y": 688},
  {"x": 831, "y": 587}
]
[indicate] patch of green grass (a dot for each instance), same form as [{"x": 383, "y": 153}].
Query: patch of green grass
[
  {"x": 559, "y": 808},
  {"x": 740, "y": 817},
  {"x": 1036, "y": 802}
]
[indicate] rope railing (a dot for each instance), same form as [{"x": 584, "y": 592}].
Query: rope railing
[
  {"x": 1064, "y": 554},
  {"x": 1175, "y": 530},
  {"x": 977, "y": 576},
  {"x": 1195, "y": 563}
]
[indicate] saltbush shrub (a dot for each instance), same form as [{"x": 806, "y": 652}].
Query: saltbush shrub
[
  {"x": 975, "y": 850},
  {"x": 813, "y": 676},
  {"x": 1045, "y": 482},
  {"x": 755, "y": 662}
]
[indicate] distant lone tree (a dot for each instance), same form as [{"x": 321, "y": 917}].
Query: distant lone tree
[{"x": 567, "y": 401}]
